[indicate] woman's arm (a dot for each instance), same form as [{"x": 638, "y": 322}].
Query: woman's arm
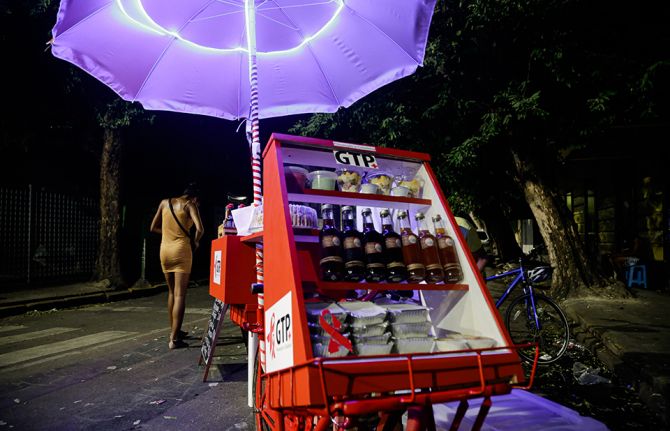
[
  {"x": 195, "y": 216},
  {"x": 157, "y": 222}
]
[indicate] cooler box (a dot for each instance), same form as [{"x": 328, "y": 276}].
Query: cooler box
[{"x": 232, "y": 270}]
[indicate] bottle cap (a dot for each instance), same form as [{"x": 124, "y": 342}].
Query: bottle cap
[
  {"x": 384, "y": 213},
  {"x": 326, "y": 207},
  {"x": 366, "y": 211},
  {"x": 419, "y": 216},
  {"x": 347, "y": 208},
  {"x": 402, "y": 214},
  {"x": 437, "y": 218}
]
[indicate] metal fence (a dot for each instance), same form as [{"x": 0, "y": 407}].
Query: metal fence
[{"x": 46, "y": 235}]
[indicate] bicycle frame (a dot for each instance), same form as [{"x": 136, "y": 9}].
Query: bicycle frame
[{"x": 527, "y": 288}]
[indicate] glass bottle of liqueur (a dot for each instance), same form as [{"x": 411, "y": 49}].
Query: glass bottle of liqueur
[
  {"x": 411, "y": 250},
  {"x": 453, "y": 273},
  {"x": 332, "y": 264},
  {"x": 352, "y": 242},
  {"x": 395, "y": 266},
  {"x": 375, "y": 265},
  {"x": 429, "y": 251}
]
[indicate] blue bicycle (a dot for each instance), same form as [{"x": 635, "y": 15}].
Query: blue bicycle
[{"x": 534, "y": 317}]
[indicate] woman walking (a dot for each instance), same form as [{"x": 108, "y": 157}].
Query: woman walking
[{"x": 173, "y": 220}]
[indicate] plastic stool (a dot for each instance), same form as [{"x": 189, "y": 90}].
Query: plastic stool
[{"x": 636, "y": 274}]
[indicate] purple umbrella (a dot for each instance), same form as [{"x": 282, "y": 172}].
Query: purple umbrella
[
  {"x": 244, "y": 58},
  {"x": 200, "y": 56}
]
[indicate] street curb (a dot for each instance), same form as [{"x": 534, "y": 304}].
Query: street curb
[{"x": 69, "y": 301}]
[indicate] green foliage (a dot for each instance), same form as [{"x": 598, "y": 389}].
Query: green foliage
[
  {"x": 119, "y": 114},
  {"x": 544, "y": 77}
]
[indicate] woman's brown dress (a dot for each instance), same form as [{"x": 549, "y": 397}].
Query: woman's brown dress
[{"x": 175, "y": 252}]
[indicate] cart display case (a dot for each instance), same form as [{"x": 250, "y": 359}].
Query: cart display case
[{"x": 297, "y": 390}]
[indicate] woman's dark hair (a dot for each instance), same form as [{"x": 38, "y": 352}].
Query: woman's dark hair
[{"x": 192, "y": 190}]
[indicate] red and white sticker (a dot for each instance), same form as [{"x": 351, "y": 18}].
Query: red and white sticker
[{"x": 279, "y": 334}]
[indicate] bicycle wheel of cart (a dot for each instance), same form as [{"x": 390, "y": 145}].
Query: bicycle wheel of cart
[{"x": 553, "y": 334}]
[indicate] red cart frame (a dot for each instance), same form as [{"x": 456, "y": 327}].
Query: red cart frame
[{"x": 299, "y": 391}]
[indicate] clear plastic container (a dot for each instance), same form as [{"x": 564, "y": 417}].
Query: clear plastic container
[
  {"x": 415, "y": 345},
  {"x": 363, "y": 313},
  {"x": 296, "y": 178},
  {"x": 406, "y": 313},
  {"x": 370, "y": 330},
  {"x": 373, "y": 349},
  {"x": 382, "y": 180},
  {"x": 321, "y": 350},
  {"x": 451, "y": 344},
  {"x": 410, "y": 330},
  {"x": 314, "y": 310},
  {"x": 322, "y": 180},
  {"x": 348, "y": 180}
]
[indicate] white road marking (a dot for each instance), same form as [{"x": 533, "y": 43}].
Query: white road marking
[
  {"x": 11, "y": 328},
  {"x": 36, "y": 334},
  {"x": 131, "y": 309},
  {"x": 204, "y": 311},
  {"x": 59, "y": 347}
]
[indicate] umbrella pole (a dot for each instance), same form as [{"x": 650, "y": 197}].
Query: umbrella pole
[{"x": 255, "y": 145}]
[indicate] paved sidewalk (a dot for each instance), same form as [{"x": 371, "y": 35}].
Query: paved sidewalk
[{"x": 632, "y": 337}]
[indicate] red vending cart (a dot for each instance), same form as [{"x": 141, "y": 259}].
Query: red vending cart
[{"x": 312, "y": 379}]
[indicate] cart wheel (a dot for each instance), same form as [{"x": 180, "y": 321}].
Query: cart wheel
[{"x": 259, "y": 397}]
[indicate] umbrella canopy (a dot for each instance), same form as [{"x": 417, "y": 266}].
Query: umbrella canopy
[{"x": 192, "y": 56}]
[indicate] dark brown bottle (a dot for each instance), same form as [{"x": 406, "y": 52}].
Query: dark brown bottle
[
  {"x": 395, "y": 265},
  {"x": 453, "y": 273},
  {"x": 352, "y": 243},
  {"x": 411, "y": 250},
  {"x": 332, "y": 264},
  {"x": 429, "y": 251},
  {"x": 375, "y": 266}
]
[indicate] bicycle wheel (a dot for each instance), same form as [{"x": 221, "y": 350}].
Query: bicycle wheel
[{"x": 553, "y": 335}]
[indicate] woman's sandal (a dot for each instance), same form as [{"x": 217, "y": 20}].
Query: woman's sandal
[
  {"x": 181, "y": 334},
  {"x": 176, "y": 344}
]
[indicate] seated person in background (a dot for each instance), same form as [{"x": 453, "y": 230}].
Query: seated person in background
[
  {"x": 469, "y": 232},
  {"x": 632, "y": 252}
]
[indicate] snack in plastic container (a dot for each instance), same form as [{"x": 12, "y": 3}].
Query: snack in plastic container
[
  {"x": 480, "y": 342},
  {"x": 383, "y": 180},
  {"x": 414, "y": 185},
  {"x": 369, "y": 189},
  {"x": 363, "y": 313},
  {"x": 322, "y": 180},
  {"x": 400, "y": 191},
  {"x": 411, "y": 330},
  {"x": 314, "y": 310},
  {"x": 296, "y": 177},
  {"x": 321, "y": 350},
  {"x": 371, "y": 339},
  {"x": 369, "y": 330},
  {"x": 315, "y": 328},
  {"x": 450, "y": 344},
  {"x": 405, "y": 312},
  {"x": 348, "y": 180},
  {"x": 415, "y": 345},
  {"x": 325, "y": 338},
  {"x": 373, "y": 349}
]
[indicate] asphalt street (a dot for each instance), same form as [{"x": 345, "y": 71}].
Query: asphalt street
[{"x": 107, "y": 367}]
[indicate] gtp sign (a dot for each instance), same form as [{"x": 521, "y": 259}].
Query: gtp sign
[
  {"x": 355, "y": 159},
  {"x": 279, "y": 334}
]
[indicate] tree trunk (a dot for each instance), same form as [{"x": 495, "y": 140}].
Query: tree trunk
[
  {"x": 574, "y": 274},
  {"x": 108, "y": 264}
]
